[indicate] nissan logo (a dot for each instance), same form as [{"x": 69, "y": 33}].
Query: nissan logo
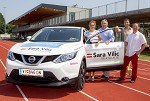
[{"x": 31, "y": 59}]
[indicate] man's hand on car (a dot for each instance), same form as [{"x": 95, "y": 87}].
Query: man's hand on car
[
  {"x": 98, "y": 43},
  {"x": 107, "y": 42}
]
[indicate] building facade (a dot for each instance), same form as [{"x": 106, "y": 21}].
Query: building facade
[{"x": 45, "y": 15}]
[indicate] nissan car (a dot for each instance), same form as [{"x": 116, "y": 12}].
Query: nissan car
[{"x": 56, "y": 56}]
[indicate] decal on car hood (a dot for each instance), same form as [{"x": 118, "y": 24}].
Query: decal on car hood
[
  {"x": 39, "y": 47},
  {"x": 45, "y": 48},
  {"x": 48, "y": 45}
]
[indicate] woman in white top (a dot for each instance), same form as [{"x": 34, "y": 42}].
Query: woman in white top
[{"x": 95, "y": 40}]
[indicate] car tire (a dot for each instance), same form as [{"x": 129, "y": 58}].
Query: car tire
[{"x": 79, "y": 84}]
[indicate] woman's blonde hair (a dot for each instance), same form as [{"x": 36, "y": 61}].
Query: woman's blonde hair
[{"x": 92, "y": 21}]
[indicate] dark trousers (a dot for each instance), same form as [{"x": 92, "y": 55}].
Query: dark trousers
[{"x": 134, "y": 60}]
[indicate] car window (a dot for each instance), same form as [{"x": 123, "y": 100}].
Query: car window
[
  {"x": 58, "y": 35},
  {"x": 40, "y": 36}
]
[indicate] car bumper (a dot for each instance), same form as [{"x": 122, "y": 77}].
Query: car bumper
[
  {"x": 48, "y": 80},
  {"x": 66, "y": 69},
  {"x": 53, "y": 74}
]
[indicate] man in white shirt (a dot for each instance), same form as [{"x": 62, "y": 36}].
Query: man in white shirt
[{"x": 135, "y": 44}]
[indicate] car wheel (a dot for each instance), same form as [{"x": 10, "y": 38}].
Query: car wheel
[{"x": 79, "y": 84}]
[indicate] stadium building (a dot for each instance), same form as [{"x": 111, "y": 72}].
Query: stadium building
[{"x": 47, "y": 15}]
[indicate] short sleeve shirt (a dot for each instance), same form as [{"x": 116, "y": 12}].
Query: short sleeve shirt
[{"x": 135, "y": 41}]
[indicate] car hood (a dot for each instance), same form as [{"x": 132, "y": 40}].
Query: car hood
[{"x": 45, "y": 48}]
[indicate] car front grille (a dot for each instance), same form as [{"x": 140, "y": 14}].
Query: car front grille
[
  {"x": 26, "y": 57},
  {"x": 50, "y": 58},
  {"x": 38, "y": 58},
  {"x": 18, "y": 57}
]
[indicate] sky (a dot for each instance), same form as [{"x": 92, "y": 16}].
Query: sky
[{"x": 15, "y": 8}]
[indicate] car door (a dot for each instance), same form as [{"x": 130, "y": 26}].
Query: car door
[{"x": 105, "y": 55}]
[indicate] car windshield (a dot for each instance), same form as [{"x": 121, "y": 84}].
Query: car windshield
[{"x": 57, "y": 35}]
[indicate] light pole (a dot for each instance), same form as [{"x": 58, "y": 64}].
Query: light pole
[
  {"x": 5, "y": 19},
  {"x": 126, "y": 6}
]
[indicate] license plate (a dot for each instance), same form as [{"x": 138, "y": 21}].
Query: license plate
[{"x": 30, "y": 72}]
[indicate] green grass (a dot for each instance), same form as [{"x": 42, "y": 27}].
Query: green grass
[{"x": 145, "y": 56}]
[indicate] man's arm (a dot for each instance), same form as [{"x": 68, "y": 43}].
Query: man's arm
[
  {"x": 144, "y": 44},
  {"x": 111, "y": 37},
  {"x": 117, "y": 30},
  {"x": 100, "y": 40},
  {"x": 99, "y": 37},
  {"x": 126, "y": 44},
  {"x": 142, "y": 48}
]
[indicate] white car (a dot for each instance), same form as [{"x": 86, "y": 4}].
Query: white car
[{"x": 56, "y": 56}]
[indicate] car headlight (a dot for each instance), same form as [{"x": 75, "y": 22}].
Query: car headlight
[
  {"x": 65, "y": 57},
  {"x": 11, "y": 56}
]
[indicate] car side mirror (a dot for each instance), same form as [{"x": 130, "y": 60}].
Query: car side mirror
[{"x": 28, "y": 38}]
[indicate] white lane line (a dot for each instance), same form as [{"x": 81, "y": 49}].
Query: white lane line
[
  {"x": 3, "y": 64},
  {"x": 145, "y": 60},
  {"x": 4, "y": 47},
  {"x": 144, "y": 64},
  {"x": 143, "y": 78},
  {"x": 88, "y": 96},
  {"x": 23, "y": 95},
  {"x": 137, "y": 76},
  {"x": 130, "y": 88},
  {"x": 144, "y": 69}
]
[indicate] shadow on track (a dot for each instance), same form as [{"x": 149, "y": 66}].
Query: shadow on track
[{"x": 8, "y": 89}]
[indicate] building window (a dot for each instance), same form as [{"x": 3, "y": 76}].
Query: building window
[{"x": 71, "y": 16}]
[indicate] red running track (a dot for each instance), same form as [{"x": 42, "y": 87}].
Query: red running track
[{"x": 98, "y": 90}]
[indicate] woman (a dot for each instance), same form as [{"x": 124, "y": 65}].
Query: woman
[{"x": 95, "y": 40}]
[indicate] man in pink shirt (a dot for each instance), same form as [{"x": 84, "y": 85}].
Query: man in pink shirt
[{"x": 135, "y": 44}]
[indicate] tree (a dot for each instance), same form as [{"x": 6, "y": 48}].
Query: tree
[
  {"x": 9, "y": 28},
  {"x": 2, "y": 23}
]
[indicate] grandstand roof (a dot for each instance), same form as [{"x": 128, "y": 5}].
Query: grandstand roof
[{"x": 38, "y": 13}]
